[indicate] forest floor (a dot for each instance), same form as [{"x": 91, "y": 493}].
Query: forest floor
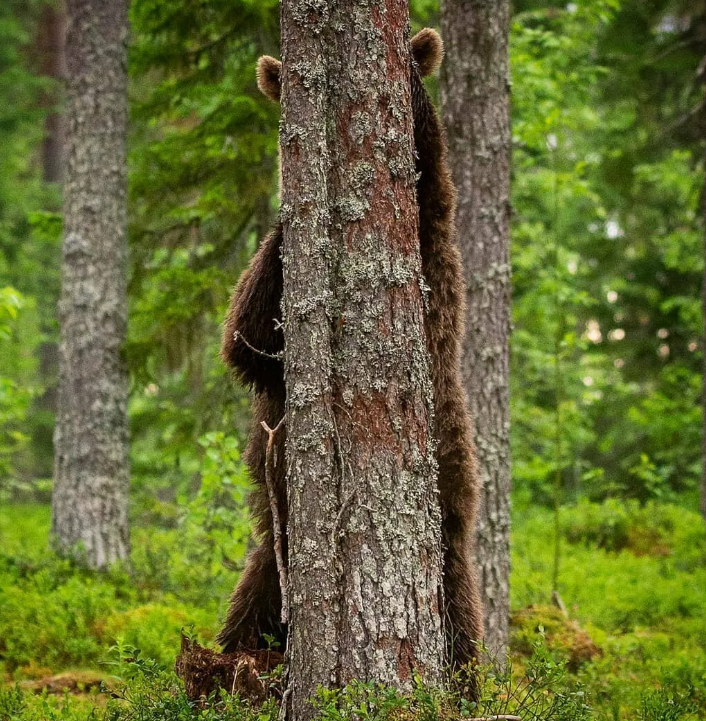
[{"x": 633, "y": 580}]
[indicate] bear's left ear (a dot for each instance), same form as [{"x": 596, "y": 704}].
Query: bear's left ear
[
  {"x": 427, "y": 50},
  {"x": 268, "y": 77}
]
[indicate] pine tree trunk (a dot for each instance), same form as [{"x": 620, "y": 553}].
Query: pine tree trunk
[
  {"x": 702, "y": 72},
  {"x": 703, "y": 341},
  {"x": 91, "y": 474},
  {"x": 475, "y": 101},
  {"x": 364, "y": 520},
  {"x": 51, "y": 42},
  {"x": 51, "y": 48}
]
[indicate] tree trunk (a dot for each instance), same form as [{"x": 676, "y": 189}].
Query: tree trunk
[
  {"x": 475, "y": 101},
  {"x": 364, "y": 520},
  {"x": 91, "y": 473},
  {"x": 51, "y": 47},
  {"x": 701, "y": 73}
]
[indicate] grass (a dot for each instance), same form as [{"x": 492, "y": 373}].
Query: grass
[{"x": 634, "y": 646}]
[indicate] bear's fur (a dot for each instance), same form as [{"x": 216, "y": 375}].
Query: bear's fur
[{"x": 252, "y": 347}]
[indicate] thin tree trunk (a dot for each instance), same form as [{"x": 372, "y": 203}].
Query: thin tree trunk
[
  {"x": 91, "y": 474},
  {"x": 475, "y": 101},
  {"x": 701, "y": 74},
  {"x": 364, "y": 520},
  {"x": 51, "y": 47}
]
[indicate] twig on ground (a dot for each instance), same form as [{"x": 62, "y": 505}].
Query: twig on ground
[
  {"x": 283, "y": 708},
  {"x": 270, "y": 464},
  {"x": 559, "y": 603}
]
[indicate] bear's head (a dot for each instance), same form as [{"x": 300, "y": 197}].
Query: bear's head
[{"x": 427, "y": 52}]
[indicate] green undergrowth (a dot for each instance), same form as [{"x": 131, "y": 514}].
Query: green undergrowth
[
  {"x": 631, "y": 644},
  {"x": 55, "y": 616}
]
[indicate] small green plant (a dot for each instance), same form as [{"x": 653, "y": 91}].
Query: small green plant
[{"x": 661, "y": 705}]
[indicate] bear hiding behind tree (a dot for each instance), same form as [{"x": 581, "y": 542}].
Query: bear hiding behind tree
[{"x": 253, "y": 344}]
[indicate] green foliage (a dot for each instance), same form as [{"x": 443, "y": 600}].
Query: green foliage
[
  {"x": 661, "y": 705},
  {"x": 54, "y": 615},
  {"x": 607, "y": 251},
  {"x": 22, "y": 113},
  {"x": 606, "y": 363},
  {"x": 217, "y": 526},
  {"x": 632, "y": 579},
  {"x": 202, "y": 182},
  {"x": 141, "y": 689},
  {"x": 14, "y": 400},
  {"x": 607, "y": 237},
  {"x": 655, "y": 581},
  {"x": 539, "y": 691}
]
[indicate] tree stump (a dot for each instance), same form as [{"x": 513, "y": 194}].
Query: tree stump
[{"x": 246, "y": 672}]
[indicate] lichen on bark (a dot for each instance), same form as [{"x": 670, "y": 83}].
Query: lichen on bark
[
  {"x": 364, "y": 519},
  {"x": 475, "y": 101},
  {"x": 91, "y": 473}
]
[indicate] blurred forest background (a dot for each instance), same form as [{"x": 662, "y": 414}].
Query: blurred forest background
[{"x": 606, "y": 363}]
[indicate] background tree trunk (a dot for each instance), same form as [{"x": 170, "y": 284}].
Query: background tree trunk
[
  {"x": 364, "y": 521},
  {"x": 701, "y": 74},
  {"x": 51, "y": 46},
  {"x": 91, "y": 474},
  {"x": 703, "y": 372},
  {"x": 475, "y": 102}
]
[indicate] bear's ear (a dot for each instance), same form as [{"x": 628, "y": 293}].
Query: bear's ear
[
  {"x": 268, "y": 79},
  {"x": 427, "y": 50}
]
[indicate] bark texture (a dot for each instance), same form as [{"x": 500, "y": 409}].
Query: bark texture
[
  {"x": 364, "y": 518},
  {"x": 51, "y": 48},
  {"x": 51, "y": 40},
  {"x": 91, "y": 474},
  {"x": 703, "y": 340},
  {"x": 51, "y": 62},
  {"x": 702, "y": 73},
  {"x": 475, "y": 102}
]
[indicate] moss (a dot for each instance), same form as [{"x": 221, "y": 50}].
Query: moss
[
  {"x": 74, "y": 682},
  {"x": 562, "y": 636}
]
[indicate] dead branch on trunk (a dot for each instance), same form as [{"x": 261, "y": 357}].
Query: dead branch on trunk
[{"x": 270, "y": 463}]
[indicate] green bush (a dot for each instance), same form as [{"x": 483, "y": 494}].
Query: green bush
[
  {"x": 641, "y": 605},
  {"x": 142, "y": 690},
  {"x": 653, "y": 529},
  {"x": 55, "y": 615}
]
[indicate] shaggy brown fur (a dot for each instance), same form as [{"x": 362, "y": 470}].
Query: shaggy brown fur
[{"x": 251, "y": 324}]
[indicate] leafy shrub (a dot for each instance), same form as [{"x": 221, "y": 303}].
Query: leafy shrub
[
  {"x": 145, "y": 691},
  {"x": 154, "y": 629},
  {"x": 564, "y": 638},
  {"x": 48, "y": 613},
  {"x": 618, "y": 591},
  {"x": 652, "y": 529},
  {"x": 661, "y": 705},
  {"x": 55, "y": 615}
]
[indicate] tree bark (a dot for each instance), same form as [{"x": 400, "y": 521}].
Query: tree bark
[
  {"x": 701, "y": 74},
  {"x": 91, "y": 473},
  {"x": 364, "y": 520},
  {"x": 51, "y": 47},
  {"x": 475, "y": 102}
]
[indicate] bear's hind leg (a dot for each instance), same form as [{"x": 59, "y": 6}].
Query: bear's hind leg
[
  {"x": 464, "y": 620},
  {"x": 255, "y": 606}
]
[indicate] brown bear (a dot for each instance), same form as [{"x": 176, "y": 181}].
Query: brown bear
[{"x": 252, "y": 347}]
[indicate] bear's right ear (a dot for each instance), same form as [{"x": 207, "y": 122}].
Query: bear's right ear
[
  {"x": 268, "y": 79},
  {"x": 427, "y": 50}
]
